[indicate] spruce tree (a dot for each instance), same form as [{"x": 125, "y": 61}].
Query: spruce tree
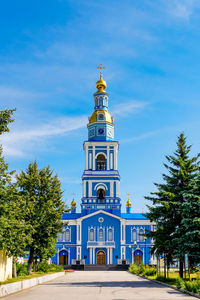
[
  {"x": 188, "y": 233},
  {"x": 41, "y": 191},
  {"x": 166, "y": 210}
]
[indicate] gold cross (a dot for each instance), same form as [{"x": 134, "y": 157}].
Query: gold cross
[
  {"x": 73, "y": 195},
  {"x": 101, "y": 68},
  {"x": 128, "y": 194}
]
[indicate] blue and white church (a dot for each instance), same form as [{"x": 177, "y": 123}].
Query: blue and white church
[{"x": 101, "y": 233}]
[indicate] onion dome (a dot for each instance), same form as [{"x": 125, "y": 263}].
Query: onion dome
[
  {"x": 101, "y": 115},
  {"x": 128, "y": 203},
  {"x": 101, "y": 85},
  {"x": 73, "y": 203}
]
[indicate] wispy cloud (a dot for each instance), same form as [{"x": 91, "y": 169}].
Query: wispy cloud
[
  {"x": 182, "y": 9},
  {"x": 17, "y": 142},
  {"x": 7, "y": 92},
  {"x": 129, "y": 107}
]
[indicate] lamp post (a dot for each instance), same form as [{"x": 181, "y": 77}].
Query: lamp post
[{"x": 145, "y": 253}]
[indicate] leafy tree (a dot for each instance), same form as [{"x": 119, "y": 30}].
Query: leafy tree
[
  {"x": 166, "y": 210},
  {"x": 42, "y": 195},
  {"x": 13, "y": 234},
  {"x": 5, "y": 119},
  {"x": 188, "y": 233}
]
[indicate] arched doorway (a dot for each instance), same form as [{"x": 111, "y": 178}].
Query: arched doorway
[
  {"x": 101, "y": 257},
  {"x": 100, "y": 194},
  {"x": 63, "y": 255},
  {"x": 138, "y": 257}
]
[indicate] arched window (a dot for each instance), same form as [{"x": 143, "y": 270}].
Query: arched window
[
  {"x": 67, "y": 235},
  {"x": 91, "y": 234},
  {"x": 141, "y": 235},
  {"x": 101, "y": 194},
  {"x": 110, "y": 235},
  {"x": 134, "y": 235},
  {"x": 101, "y": 234},
  {"x": 101, "y": 162}
]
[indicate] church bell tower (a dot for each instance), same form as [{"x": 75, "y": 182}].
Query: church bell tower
[{"x": 101, "y": 178}]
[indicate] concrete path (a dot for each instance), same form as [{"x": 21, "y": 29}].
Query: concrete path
[{"x": 97, "y": 285}]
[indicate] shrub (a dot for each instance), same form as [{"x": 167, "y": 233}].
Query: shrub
[
  {"x": 22, "y": 269},
  {"x": 150, "y": 271},
  {"x": 44, "y": 267},
  {"x": 141, "y": 269},
  {"x": 133, "y": 269},
  {"x": 180, "y": 283},
  {"x": 193, "y": 286}
]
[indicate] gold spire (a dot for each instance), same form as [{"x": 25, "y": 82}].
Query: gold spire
[
  {"x": 73, "y": 203},
  {"x": 128, "y": 203},
  {"x": 101, "y": 84}
]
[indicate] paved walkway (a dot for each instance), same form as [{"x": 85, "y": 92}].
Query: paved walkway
[{"x": 97, "y": 285}]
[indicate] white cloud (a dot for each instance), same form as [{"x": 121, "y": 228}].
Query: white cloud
[
  {"x": 7, "y": 92},
  {"x": 182, "y": 9},
  {"x": 129, "y": 107},
  {"x": 18, "y": 141},
  {"x": 21, "y": 142}
]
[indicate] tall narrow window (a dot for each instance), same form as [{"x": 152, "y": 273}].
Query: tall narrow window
[
  {"x": 110, "y": 235},
  {"x": 101, "y": 194},
  {"x": 134, "y": 235},
  {"x": 100, "y": 234},
  {"x": 91, "y": 234},
  {"x": 67, "y": 235},
  {"x": 141, "y": 235}
]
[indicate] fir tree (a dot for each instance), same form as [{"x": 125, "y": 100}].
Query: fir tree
[
  {"x": 5, "y": 119},
  {"x": 188, "y": 233},
  {"x": 166, "y": 210},
  {"x": 42, "y": 196}
]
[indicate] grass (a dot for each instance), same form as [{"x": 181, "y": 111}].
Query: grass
[{"x": 19, "y": 278}]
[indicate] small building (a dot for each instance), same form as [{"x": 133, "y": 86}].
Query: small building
[
  {"x": 5, "y": 266},
  {"x": 101, "y": 233}
]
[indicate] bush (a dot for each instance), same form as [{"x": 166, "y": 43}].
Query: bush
[
  {"x": 150, "y": 271},
  {"x": 180, "y": 283},
  {"x": 22, "y": 269},
  {"x": 193, "y": 286},
  {"x": 44, "y": 267},
  {"x": 141, "y": 269},
  {"x": 133, "y": 269}
]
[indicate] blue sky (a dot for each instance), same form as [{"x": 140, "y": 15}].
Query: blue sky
[{"x": 49, "y": 51}]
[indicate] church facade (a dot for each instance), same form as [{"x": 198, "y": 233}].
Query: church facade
[{"x": 101, "y": 233}]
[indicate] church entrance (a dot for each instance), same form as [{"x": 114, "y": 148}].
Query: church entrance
[
  {"x": 101, "y": 257},
  {"x": 63, "y": 257},
  {"x": 138, "y": 257}
]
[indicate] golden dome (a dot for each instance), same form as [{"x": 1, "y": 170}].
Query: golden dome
[
  {"x": 101, "y": 85},
  {"x": 73, "y": 203},
  {"x": 107, "y": 116},
  {"x": 128, "y": 203}
]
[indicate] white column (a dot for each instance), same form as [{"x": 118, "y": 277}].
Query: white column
[
  {"x": 111, "y": 189},
  {"x": 69, "y": 257},
  {"x": 84, "y": 188},
  {"x": 86, "y": 157},
  {"x": 108, "y": 158},
  {"x": 58, "y": 258},
  {"x": 93, "y": 154},
  {"x": 90, "y": 160},
  {"x": 93, "y": 256},
  {"x": 111, "y": 160},
  {"x": 117, "y": 188},
  {"x": 115, "y": 158},
  {"x": 90, "y": 256},
  {"x": 111, "y": 256},
  {"x": 90, "y": 188},
  {"x": 108, "y": 256}
]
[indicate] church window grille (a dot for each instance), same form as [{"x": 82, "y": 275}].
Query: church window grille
[
  {"x": 67, "y": 235},
  {"x": 100, "y": 234},
  {"x": 101, "y": 162}
]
